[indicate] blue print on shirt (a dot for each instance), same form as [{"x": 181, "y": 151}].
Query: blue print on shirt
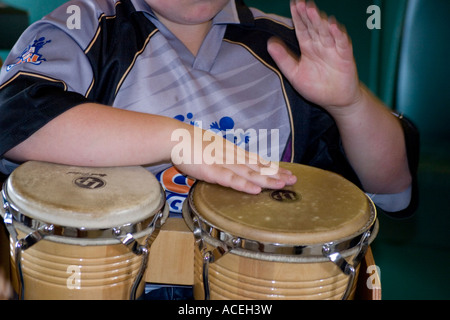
[
  {"x": 224, "y": 127},
  {"x": 31, "y": 54}
]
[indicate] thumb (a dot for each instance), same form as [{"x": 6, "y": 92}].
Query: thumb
[{"x": 285, "y": 59}]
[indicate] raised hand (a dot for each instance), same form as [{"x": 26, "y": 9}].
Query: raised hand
[{"x": 325, "y": 73}]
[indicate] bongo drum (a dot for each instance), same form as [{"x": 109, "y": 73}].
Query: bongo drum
[
  {"x": 303, "y": 242},
  {"x": 79, "y": 232}
]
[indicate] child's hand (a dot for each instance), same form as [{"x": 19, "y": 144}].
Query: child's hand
[
  {"x": 231, "y": 166},
  {"x": 325, "y": 74}
]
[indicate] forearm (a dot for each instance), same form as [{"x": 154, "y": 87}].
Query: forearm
[
  {"x": 374, "y": 144},
  {"x": 97, "y": 135}
]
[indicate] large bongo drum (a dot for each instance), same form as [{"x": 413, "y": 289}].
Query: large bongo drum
[
  {"x": 303, "y": 242},
  {"x": 79, "y": 232}
]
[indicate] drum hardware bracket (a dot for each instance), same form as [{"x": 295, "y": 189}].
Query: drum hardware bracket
[
  {"x": 347, "y": 268},
  {"x": 35, "y": 236},
  {"x": 140, "y": 250},
  {"x": 220, "y": 249},
  {"x": 131, "y": 243},
  {"x": 209, "y": 256},
  {"x": 8, "y": 220},
  {"x": 22, "y": 244}
]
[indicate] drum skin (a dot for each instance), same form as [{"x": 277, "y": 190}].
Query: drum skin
[
  {"x": 81, "y": 200},
  {"x": 322, "y": 207}
]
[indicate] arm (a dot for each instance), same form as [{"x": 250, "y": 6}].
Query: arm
[
  {"x": 96, "y": 135},
  {"x": 326, "y": 75}
]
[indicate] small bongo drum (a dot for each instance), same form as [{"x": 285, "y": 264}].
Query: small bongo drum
[
  {"x": 79, "y": 232},
  {"x": 303, "y": 242}
]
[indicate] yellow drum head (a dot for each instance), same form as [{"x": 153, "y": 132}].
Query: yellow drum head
[
  {"x": 321, "y": 207},
  {"x": 81, "y": 197}
]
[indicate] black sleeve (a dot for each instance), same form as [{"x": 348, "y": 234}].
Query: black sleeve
[
  {"x": 27, "y": 103},
  {"x": 324, "y": 148}
]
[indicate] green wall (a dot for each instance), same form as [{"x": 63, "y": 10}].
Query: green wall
[{"x": 36, "y": 8}]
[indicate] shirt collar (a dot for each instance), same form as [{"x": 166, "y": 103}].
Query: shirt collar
[
  {"x": 231, "y": 14},
  {"x": 141, "y": 5},
  {"x": 228, "y": 15}
]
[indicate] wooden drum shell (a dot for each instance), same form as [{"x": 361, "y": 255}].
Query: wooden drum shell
[
  {"x": 235, "y": 277},
  {"x": 60, "y": 271}
]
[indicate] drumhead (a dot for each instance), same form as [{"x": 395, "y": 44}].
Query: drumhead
[
  {"x": 321, "y": 207},
  {"x": 83, "y": 197}
]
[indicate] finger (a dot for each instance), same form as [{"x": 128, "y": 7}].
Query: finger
[
  {"x": 327, "y": 30},
  {"x": 317, "y": 21},
  {"x": 242, "y": 178},
  {"x": 274, "y": 171},
  {"x": 269, "y": 177},
  {"x": 301, "y": 28},
  {"x": 254, "y": 178},
  {"x": 287, "y": 175},
  {"x": 301, "y": 10},
  {"x": 339, "y": 33},
  {"x": 288, "y": 178},
  {"x": 325, "y": 35},
  {"x": 236, "y": 180},
  {"x": 344, "y": 45}
]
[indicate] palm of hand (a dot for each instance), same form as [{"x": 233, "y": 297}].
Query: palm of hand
[{"x": 325, "y": 73}]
